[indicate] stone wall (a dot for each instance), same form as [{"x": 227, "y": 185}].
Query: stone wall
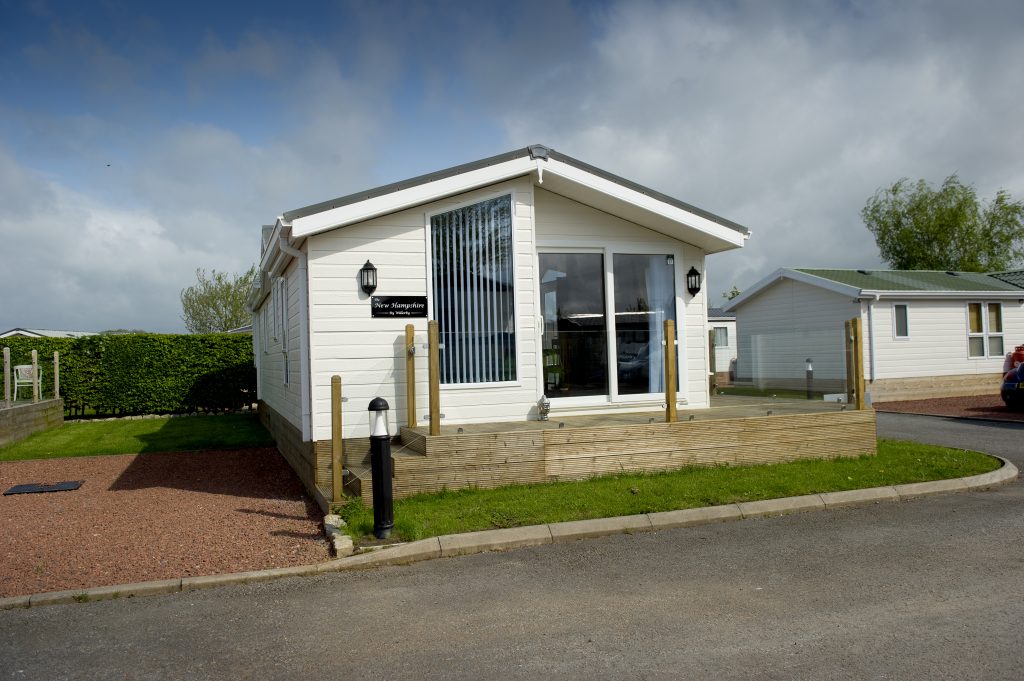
[{"x": 26, "y": 418}]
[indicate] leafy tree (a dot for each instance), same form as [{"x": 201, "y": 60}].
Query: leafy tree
[
  {"x": 918, "y": 227},
  {"x": 729, "y": 295},
  {"x": 217, "y": 303}
]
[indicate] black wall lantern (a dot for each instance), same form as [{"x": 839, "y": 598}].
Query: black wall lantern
[
  {"x": 692, "y": 281},
  {"x": 368, "y": 278}
]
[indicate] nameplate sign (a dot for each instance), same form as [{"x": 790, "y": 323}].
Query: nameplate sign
[{"x": 398, "y": 306}]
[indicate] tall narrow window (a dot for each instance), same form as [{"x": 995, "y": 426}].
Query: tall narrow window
[
  {"x": 900, "y": 328},
  {"x": 474, "y": 292},
  {"x": 984, "y": 329},
  {"x": 721, "y": 336}
]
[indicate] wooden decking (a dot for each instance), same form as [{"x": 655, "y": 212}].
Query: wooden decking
[{"x": 735, "y": 431}]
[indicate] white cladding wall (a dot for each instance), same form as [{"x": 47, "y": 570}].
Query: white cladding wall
[
  {"x": 564, "y": 223},
  {"x": 283, "y": 398},
  {"x": 787, "y": 323},
  {"x": 937, "y": 343},
  {"x": 368, "y": 353}
]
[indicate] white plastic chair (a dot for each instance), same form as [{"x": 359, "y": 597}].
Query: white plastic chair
[{"x": 23, "y": 378}]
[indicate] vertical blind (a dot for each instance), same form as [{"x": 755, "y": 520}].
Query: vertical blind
[{"x": 474, "y": 292}]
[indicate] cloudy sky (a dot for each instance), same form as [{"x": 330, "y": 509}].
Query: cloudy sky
[{"x": 141, "y": 141}]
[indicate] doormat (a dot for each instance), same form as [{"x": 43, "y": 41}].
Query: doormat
[{"x": 35, "y": 487}]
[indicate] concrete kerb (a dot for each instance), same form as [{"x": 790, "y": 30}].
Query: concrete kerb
[{"x": 518, "y": 537}]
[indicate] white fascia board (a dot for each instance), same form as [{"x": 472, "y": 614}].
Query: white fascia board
[
  {"x": 408, "y": 198},
  {"x": 945, "y": 295},
  {"x": 647, "y": 204}
]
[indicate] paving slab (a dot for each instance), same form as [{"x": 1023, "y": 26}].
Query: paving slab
[
  {"x": 494, "y": 540},
  {"x": 598, "y": 527},
  {"x": 770, "y": 507},
  {"x": 690, "y": 517},
  {"x": 403, "y": 554},
  {"x": 860, "y": 497},
  {"x": 920, "y": 489}
]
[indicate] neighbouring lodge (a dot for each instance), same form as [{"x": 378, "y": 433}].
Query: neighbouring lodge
[{"x": 547, "y": 277}]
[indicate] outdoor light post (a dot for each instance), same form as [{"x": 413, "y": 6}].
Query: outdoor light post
[
  {"x": 382, "y": 469},
  {"x": 810, "y": 377}
]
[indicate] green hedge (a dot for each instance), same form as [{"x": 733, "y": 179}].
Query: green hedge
[{"x": 145, "y": 373}]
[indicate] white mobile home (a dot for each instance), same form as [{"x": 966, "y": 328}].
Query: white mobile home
[
  {"x": 926, "y": 334},
  {"x": 547, "y": 277}
]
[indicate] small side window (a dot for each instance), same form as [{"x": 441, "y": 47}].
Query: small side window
[{"x": 901, "y": 328}]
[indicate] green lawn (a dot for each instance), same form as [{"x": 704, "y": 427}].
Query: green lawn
[
  {"x": 123, "y": 436},
  {"x": 449, "y": 512}
]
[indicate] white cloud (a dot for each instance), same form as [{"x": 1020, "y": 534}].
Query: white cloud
[{"x": 787, "y": 120}]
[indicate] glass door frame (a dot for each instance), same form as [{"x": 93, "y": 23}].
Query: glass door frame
[{"x": 608, "y": 251}]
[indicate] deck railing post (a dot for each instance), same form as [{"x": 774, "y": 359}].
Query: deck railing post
[
  {"x": 56, "y": 375},
  {"x": 712, "y": 364},
  {"x": 851, "y": 380},
  {"x": 670, "y": 371},
  {"x": 434, "y": 367},
  {"x": 337, "y": 446},
  {"x": 7, "y": 378},
  {"x": 35, "y": 376},
  {"x": 858, "y": 360},
  {"x": 410, "y": 375}
]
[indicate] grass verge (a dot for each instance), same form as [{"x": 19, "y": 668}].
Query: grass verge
[
  {"x": 123, "y": 436},
  {"x": 451, "y": 512}
]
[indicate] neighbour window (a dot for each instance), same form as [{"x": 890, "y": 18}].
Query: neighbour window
[
  {"x": 984, "y": 329},
  {"x": 900, "y": 327},
  {"x": 721, "y": 336},
  {"x": 474, "y": 292}
]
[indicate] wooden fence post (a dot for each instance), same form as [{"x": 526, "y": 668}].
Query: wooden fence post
[
  {"x": 56, "y": 375},
  {"x": 434, "y": 367},
  {"x": 858, "y": 360},
  {"x": 337, "y": 447},
  {"x": 7, "y": 378},
  {"x": 410, "y": 375},
  {"x": 670, "y": 371},
  {"x": 851, "y": 374},
  {"x": 35, "y": 376}
]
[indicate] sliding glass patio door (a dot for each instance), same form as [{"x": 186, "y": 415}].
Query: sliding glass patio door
[
  {"x": 587, "y": 328},
  {"x": 575, "y": 341}
]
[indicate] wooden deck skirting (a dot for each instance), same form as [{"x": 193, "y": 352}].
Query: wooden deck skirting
[{"x": 538, "y": 455}]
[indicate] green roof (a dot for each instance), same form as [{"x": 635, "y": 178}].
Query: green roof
[
  {"x": 1015, "y": 278},
  {"x": 918, "y": 280}
]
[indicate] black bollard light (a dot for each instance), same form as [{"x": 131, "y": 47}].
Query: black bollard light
[
  {"x": 382, "y": 469},
  {"x": 810, "y": 377}
]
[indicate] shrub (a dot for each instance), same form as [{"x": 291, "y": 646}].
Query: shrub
[{"x": 146, "y": 373}]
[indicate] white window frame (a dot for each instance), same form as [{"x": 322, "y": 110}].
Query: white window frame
[
  {"x": 986, "y": 334},
  {"x": 448, "y": 208},
  {"x": 609, "y": 248},
  {"x": 895, "y": 319},
  {"x": 725, "y": 330},
  {"x": 282, "y": 320}
]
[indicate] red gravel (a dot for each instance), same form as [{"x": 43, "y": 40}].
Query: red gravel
[
  {"x": 153, "y": 516},
  {"x": 978, "y": 407}
]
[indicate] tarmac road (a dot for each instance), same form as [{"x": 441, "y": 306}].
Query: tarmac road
[{"x": 926, "y": 589}]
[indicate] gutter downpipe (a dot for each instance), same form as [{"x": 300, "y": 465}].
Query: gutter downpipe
[{"x": 304, "y": 383}]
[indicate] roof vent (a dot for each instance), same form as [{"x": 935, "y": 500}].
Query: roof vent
[
  {"x": 538, "y": 151},
  {"x": 952, "y": 274},
  {"x": 863, "y": 272}
]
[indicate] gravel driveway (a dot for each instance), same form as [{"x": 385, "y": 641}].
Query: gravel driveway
[
  {"x": 153, "y": 516},
  {"x": 977, "y": 407}
]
